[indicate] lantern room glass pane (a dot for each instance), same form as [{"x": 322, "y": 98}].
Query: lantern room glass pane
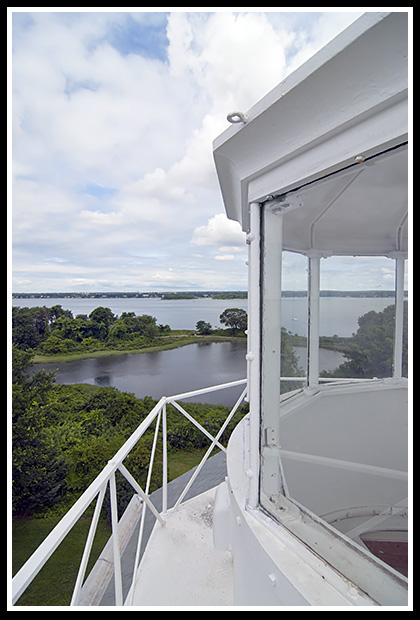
[
  {"x": 294, "y": 321},
  {"x": 331, "y": 448},
  {"x": 357, "y": 316}
]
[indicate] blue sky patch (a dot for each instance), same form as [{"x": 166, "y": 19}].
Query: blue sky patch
[
  {"x": 99, "y": 191},
  {"x": 145, "y": 36}
]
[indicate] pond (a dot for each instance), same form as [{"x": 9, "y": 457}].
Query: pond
[{"x": 164, "y": 373}]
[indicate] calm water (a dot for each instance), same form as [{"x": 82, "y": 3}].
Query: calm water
[
  {"x": 164, "y": 373},
  {"x": 338, "y": 314}
]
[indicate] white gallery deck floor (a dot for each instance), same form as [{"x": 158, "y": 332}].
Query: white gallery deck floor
[{"x": 181, "y": 566}]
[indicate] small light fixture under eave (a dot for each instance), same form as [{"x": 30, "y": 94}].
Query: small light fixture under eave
[{"x": 237, "y": 117}]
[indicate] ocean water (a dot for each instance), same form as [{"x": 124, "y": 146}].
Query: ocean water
[{"x": 338, "y": 315}]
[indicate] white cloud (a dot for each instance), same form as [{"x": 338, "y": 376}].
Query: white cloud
[
  {"x": 231, "y": 56},
  {"x": 156, "y": 184},
  {"x": 232, "y": 248},
  {"x": 95, "y": 106},
  {"x": 219, "y": 231},
  {"x": 227, "y": 257}
]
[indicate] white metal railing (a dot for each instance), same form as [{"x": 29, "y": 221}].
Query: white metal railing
[
  {"x": 98, "y": 488},
  {"x": 107, "y": 477}
]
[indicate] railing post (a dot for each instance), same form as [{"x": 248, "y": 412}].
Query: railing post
[
  {"x": 399, "y": 315},
  {"x": 88, "y": 547},
  {"x": 253, "y": 353},
  {"x": 213, "y": 443},
  {"x": 116, "y": 542},
  {"x": 271, "y": 275},
  {"x": 313, "y": 319},
  {"x": 164, "y": 463}
]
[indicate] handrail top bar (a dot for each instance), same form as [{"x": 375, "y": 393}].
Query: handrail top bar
[{"x": 214, "y": 388}]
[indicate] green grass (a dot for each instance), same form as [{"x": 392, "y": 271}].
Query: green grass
[
  {"x": 53, "y": 586},
  {"x": 181, "y": 461}
]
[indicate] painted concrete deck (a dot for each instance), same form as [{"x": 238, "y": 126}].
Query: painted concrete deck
[
  {"x": 212, "y": 474},
  {"x": 181, "y": 566}
]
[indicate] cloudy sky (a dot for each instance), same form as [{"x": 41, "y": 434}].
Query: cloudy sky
[{"x": 113, "y": 118}]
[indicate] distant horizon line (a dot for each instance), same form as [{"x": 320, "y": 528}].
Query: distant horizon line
[{"x": 105, "y": 294}]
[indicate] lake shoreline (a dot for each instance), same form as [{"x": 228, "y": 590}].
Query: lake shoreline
[
  {"x": 180, "y": 370},
  {"x": 183, "y": 342}
]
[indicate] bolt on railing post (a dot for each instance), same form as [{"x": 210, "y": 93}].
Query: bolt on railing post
[{"x": 164, "y": 463}]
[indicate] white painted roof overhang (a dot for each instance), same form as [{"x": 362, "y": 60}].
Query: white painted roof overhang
[{"x": 333, "y": 136}]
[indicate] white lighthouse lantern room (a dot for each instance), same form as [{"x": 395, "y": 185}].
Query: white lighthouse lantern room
[{"x": 317, "y": 482}]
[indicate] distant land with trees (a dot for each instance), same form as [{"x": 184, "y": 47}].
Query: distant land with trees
[
  {"x": 174, "y": 295},
  {"x": 54, "y": 331}
]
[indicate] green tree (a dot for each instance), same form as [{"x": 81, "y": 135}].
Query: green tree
[
  {"x": 54, "y": 344},
  {"x": 57, "y": 312},
  {"x": 129, "y": 326},
  {"x": 38, "y": 469},
  {"x": 145, "y": 325},
  {"x": 91, "y": 426},
  {"x": 101, "y": 320},
  {"x": 119, "y": 330},
  {"x": 73, "y": 329},
  {"x": 30, "y": 326},
  {"x": 203, "y": 328},
  {"x": 102, "y": 315},
  {"x": 370, "y": 353},
  {"x": 235, "y": 318},
  {"x": 289, "y": 361}
]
